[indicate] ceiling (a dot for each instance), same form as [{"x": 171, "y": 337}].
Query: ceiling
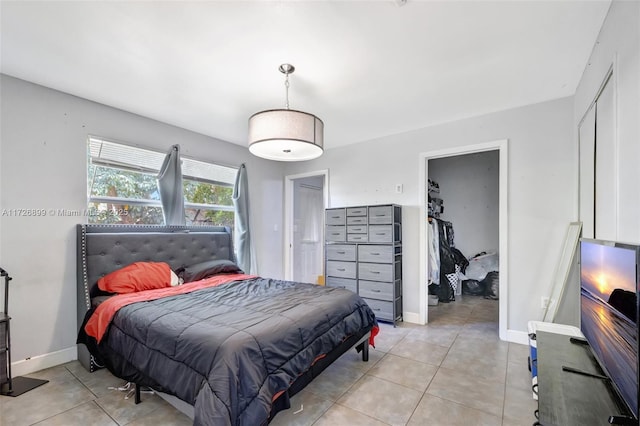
[{"x": 367, "y": 68}]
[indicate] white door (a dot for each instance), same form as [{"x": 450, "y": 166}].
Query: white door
[
  {"x": 306, "y": 197},
  {"x": 308, "y": 212}
]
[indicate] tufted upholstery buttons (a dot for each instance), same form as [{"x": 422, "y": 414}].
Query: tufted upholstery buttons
[{"x": 106, "y": 248}]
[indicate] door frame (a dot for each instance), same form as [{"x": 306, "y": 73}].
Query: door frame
[
  {"x": 500, "y": 145},
  {"x": 288, "y": 215}
]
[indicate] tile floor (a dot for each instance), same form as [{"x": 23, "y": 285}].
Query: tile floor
[{"x": 453, "y": 371}]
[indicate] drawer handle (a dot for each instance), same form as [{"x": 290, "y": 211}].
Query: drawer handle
[
  {"x": 342, "y": 252},
  {"x": 381, "y": 233},
  {"x": 376, "y": 309},
  {"x": 335, "y": 233},
  {"x": 380, "y": 215},
  {"x": 335, "y": 217},
  {"x": 375, "y": 272},
  {"x": 341, "y": 286},
  {"x": 375, "y": 290},
  {"x": 375, "y": 254},
  {"x": 341, "y": 269}
]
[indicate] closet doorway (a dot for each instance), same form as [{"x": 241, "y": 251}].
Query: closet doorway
[
  {"x": 479, "y": 224},
  {"x": 306, "y": 198}
]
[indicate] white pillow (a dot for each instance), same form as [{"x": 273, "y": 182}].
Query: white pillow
[{"x": 175, "y": 280}]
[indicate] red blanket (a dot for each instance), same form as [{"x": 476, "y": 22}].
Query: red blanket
[{"x": 99, "y": 322}]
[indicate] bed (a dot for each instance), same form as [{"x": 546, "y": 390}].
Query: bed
[{"x": 230, "y": 349}]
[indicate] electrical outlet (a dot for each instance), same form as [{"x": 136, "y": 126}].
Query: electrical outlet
[
  {"x": 398, "y": 188},
  {"x": 544, "y": 302}
]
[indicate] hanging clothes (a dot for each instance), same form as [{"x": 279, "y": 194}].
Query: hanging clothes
[
  {"x": 448, "y": 274},
  {"x": 434, "y": 252}
]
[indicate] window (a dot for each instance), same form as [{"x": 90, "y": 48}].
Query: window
[{"x": 122, "y": 187}]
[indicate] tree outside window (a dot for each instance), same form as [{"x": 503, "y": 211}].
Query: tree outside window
[{"x": 123, "y": 189}]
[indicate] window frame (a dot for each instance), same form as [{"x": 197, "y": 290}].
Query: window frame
[{"x": 104, "y": 199}]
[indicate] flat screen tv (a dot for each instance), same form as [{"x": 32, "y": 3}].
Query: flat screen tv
[{"x": 609, "y": 283}]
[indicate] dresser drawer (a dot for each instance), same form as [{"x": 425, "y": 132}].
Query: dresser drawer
[
  {"x": 340, "y": 269},
  {"x": 335, "y": 217},
  {"x": 357, "y": 229},
  {"x": 382, "y": 254},
  {"x": 356, "y": 211},
  {"x": 381, "y": 233},
  {"x": 341, "y": 252},
  {"x": 357, "y": 238},
  {"x": 356, "y": 220},
  {"x": 382, "y": 309},
  {"x": 380, "y": 215},
  {"x": 336, "y": 233},
  {"x": 375, "y": 271},
  {"x": 375, "y": 290},
  {"x": 346, "y": 283}
]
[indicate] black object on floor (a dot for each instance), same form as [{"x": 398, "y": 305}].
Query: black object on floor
[{"x": 20, "y": 385}]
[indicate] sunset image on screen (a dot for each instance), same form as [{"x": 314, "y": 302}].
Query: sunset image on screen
[
  {"x": 606, "y": 268},
  {"x": 609, "y": 313}
]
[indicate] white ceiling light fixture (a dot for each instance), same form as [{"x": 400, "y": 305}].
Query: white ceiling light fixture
[{"x": 286, "y": 134}]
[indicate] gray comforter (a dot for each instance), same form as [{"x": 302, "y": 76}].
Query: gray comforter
[{"x": 229, "y": 350}]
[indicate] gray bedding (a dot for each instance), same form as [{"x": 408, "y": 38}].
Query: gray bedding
[{"x": 230, "y": 350}]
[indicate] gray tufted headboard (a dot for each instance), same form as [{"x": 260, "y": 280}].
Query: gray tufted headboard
[{"x": 105, "y": 248}]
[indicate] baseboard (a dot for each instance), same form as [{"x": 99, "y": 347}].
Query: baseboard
[
  {"x": 40, "y": 362},
  {"x": 411, "y": 317},
  {"x": 515, "y": 336}
]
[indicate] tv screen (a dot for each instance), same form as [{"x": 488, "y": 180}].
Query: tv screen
[{"x": 609, "y": 312}]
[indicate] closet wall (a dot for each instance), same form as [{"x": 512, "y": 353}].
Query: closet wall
[{"x": 469, "y": 187}]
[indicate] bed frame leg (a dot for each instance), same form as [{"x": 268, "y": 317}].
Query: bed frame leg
[
  {"x": 365, "y": 351},
  {"x": 137, "y": 393}
]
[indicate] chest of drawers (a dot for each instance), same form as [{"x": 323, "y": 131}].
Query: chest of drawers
[{"x": 363, "y": 252}]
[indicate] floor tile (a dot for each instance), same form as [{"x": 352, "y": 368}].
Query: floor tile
[
  {"x": 306, "y": 408},
  {"x": 418, "y": 350},
  {"x": 353, "y": 360},
  {"x": 436, "y": 411},
  {"x": 99, "y": 382},
  {"x": 79, "y": 416},
  {"x": 381, "y": 399},
  {"x": 62, "y": 393},
  {"x": 125, "y": 411},
  {"x": 406, "y": 372},
  {"x": 339, "y": 415},
  {"x": 333, "y": 382},
  {"x": 389, "y": 336},
  {"x": 518, "y": 376},
  {"x": 459, "y": 386},
  {"x": 485, "y": 361},
  {"x": 519, "y": 407},
  {"x": 442, "y": 335},
  {"x": 519, "y": 353},
  {"x": 165, "y": 417}
]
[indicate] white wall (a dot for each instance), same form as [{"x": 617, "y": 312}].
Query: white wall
[
  {"x": 469, "y": 189},
  {"x": 618, "y": 45},
  {"x": 542, "y": 191},
  {"x": 44, "y": 166}
]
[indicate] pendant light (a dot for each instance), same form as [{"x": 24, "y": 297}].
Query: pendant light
[{"x": 286, "y": 134}]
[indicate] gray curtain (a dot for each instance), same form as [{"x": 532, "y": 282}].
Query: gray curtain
[
  {"x": 170, "y": 188},
  {"x": 242, "y": 234}
]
